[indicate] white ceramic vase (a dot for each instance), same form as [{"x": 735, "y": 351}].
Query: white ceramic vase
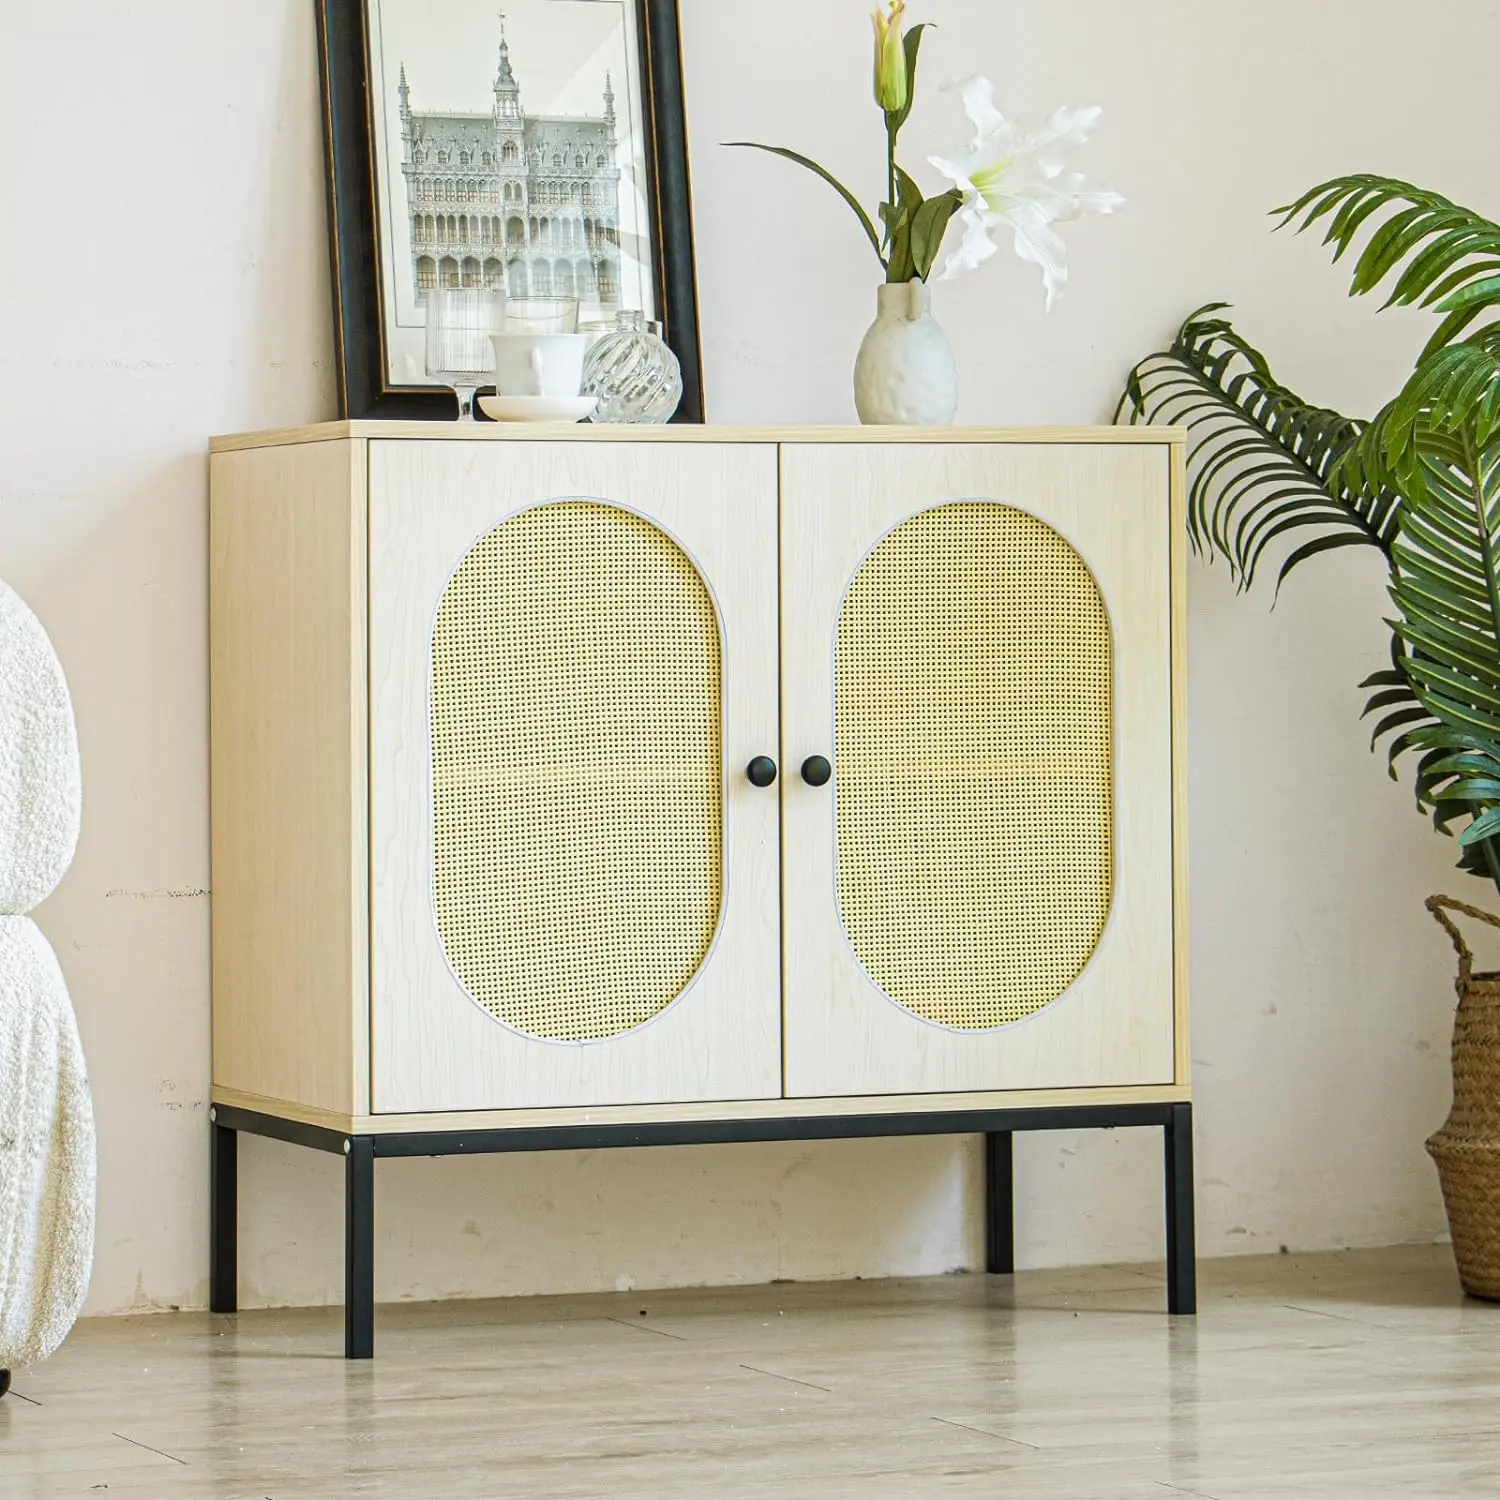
[{"x": 905, "y": 374}]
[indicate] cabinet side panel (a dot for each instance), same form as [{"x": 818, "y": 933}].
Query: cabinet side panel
[
  {"x": 1179, "y": 763},
  {"x": 288, "y": 763}
]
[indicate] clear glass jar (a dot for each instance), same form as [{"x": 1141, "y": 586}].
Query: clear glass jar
[{"x": 633, "y": 373}]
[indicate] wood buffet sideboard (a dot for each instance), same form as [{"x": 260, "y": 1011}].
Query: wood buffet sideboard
[{"x": 592, "y": 786}]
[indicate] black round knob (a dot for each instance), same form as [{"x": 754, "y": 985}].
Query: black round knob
[
  {"x": 761, "y": 771},
  {"x": 816, "y": 771}
]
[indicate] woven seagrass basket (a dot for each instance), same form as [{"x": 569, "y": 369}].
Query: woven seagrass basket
[{"x": 1467, "y": 1148}]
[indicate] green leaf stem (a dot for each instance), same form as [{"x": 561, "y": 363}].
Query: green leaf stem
[{"x": 831, "y": 180}]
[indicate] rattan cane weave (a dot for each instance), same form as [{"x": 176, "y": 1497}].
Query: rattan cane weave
[
  {"x": 577, "y": 771},
  {"x": 973, "y": 725}
]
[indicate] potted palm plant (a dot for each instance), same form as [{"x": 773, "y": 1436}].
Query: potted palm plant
[{"x": 1275, "y": 475}]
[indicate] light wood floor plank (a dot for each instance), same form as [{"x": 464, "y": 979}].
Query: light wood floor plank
[{"x": 1355, "y": 1375}]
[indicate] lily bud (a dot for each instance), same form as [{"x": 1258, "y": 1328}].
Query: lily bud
[{"x": 891, "y": 84}]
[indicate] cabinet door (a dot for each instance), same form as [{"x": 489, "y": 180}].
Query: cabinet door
[
  {"x": 574, "y": 884},
  {"x": 978, "y": 637}
]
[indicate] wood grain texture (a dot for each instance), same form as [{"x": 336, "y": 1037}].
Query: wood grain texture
[
  {"x": 588, "y": 432},
  {"x": 1181, "y": 932},
  {"x": 1115, "y": 1025},
  {"x": 287, "y": 1109},
  {"x": 288, "y": 774},
  {"x": 733, "y": 1109},
  {"x": 292, "y": 899},
  {"x": 434, "y": 1048},
  {"x": 1354, "y": 1376}
]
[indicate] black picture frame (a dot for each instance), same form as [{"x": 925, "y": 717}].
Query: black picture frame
[{"x": 353, "y": 221}]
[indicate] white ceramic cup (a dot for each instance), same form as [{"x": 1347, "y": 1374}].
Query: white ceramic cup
[{"x": 539, "y": 364}]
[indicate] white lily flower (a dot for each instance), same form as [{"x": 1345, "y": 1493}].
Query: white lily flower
[{"x": 1016, "y": 174}]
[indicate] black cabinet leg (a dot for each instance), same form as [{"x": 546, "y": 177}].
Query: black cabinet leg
[
  {"x": 359, "y": 1248},
  {"x": 999, "y": 1203},
  {"x": 1182, "y": 1266},
  {"x": 223, "y": 1217}
]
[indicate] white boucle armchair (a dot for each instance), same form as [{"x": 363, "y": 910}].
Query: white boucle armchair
[{"x": 47, "y": 1158}]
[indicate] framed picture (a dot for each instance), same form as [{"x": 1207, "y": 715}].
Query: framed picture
[{"x": 539, "y": 147}]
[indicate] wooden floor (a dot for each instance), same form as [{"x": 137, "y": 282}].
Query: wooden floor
[{"x": 1359, "y": 1375}]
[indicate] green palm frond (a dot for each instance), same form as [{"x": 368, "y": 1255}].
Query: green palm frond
[
  {"x": 1442, "y": 256},
  {"x": 1421, "y": 481},
  {"x": 1441, "y": 437},
  {"x": 1264, "y": 462},
  {"x": 1453, "y": 396},
  {"x": 1459, "y": 774}
]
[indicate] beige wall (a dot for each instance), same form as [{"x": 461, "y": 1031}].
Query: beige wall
[{"x": 162, "y": 277}]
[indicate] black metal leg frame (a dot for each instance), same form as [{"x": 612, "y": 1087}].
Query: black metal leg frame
[{"x": 998, "y": 1126}]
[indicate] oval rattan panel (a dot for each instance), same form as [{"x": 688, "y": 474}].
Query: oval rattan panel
[
  {"x": 577, "y": 771},
  {"x": 974, "y": 792}
]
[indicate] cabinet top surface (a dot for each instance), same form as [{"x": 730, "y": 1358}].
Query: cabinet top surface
[{"x": 584, "y": 432}]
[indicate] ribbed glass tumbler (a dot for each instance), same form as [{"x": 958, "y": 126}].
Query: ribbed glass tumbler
[{"x": 633, "y": 373}]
